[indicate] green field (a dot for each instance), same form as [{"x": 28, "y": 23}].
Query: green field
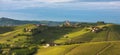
[
  {"x": 92, "y": 48},
  {"x": 105, "y": 42},
  {"x": 29, "y": 39}
]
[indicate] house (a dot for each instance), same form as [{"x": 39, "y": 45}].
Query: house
[
  {"x": 67, "y": 24},
  {"x": 50, "y": 44},
  {"x": 95, "y": 29},
  {"x": 27, "y": 30}
]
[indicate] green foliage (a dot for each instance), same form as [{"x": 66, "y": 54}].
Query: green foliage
[
  {"x": 24, "y": 51},
  {"x": 4, "y": 29},
  {"x": 100, "y": 23},
  {"x": 49, "y": 34}
]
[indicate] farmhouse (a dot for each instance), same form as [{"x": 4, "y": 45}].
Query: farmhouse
[
  {"x": 95, "y": 29},
  {"x": 50, "y": 44},
  {"x": 27, "y": 30}
]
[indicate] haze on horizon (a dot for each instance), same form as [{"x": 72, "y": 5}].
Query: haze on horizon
[{"x": 60, "y": 10}]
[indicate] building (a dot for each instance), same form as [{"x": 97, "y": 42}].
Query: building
[
  {"x": 50, "y": 44},
  {"x": 95, "y": 29},
  {"x": 67, "y": 23}
]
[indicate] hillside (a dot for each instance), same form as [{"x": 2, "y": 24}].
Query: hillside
[
  {"x": 31, "y": 39},
  {"x": 105, "y": 42},
  {"x": 92, "y": 48},
  {"x": 5, "y": 29}
]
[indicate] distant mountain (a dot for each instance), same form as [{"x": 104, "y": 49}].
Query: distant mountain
[{"x": 11, "y": 22}]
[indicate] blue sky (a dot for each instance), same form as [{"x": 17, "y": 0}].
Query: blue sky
[{"x": 60, "y": 10}]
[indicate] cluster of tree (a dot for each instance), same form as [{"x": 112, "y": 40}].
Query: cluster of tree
[
  {"x": 100, "y": 23},
  {"x": 36, "y": 31},
  {"x": 23, "y": 35},
  {"x": 7, "y": 49},
  {"x": 4, "y": 29},
  {"x": 24, "y": 51}
]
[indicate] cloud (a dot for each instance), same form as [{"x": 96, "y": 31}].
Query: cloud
[
  {"x": 90, "y": 5},
  {"x": 21, "y": 16},
  {"x": 62, "y": 4},
  {"x": 21, "y": 4},
  {"x": 42, "y": 1},
  {"x": 97, "y": 0}
]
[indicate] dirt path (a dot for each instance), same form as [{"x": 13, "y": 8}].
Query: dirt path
[{"x": 104, "y": 49}]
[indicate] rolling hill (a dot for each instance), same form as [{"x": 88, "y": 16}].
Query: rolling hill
[
  {"x": 31, "y": 39},
  {"x": 105, "y": 42},
  {"x": 92, "y": 48}
]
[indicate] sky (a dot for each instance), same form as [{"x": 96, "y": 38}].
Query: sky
[{"x": 61, "y": 10}]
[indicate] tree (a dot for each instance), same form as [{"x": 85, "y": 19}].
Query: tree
[{"x": 100, "y": 23}]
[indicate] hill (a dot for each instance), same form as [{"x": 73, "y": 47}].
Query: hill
[
  {"x": 92, "y": 48},
  {"x": 31, "y": 39},
  {"x": 4, "y": 29},
  {"x": 83, "y": 42},
  {"x": 4, "y": 21},
  {"x": 11, "y": 22}
]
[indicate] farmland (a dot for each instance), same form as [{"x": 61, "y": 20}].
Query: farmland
[
  {"x": 31, "y": 39},
  {"x": 105, "y": 42}
]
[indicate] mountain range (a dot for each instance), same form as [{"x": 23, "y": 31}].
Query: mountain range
[{"x": 12, "y": 22}]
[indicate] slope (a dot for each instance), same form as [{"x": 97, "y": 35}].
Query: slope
[
  {"x": 105, "y": 42},
  {"x": 93, "y": 48},
  {"x": 13, "y": 36}
]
